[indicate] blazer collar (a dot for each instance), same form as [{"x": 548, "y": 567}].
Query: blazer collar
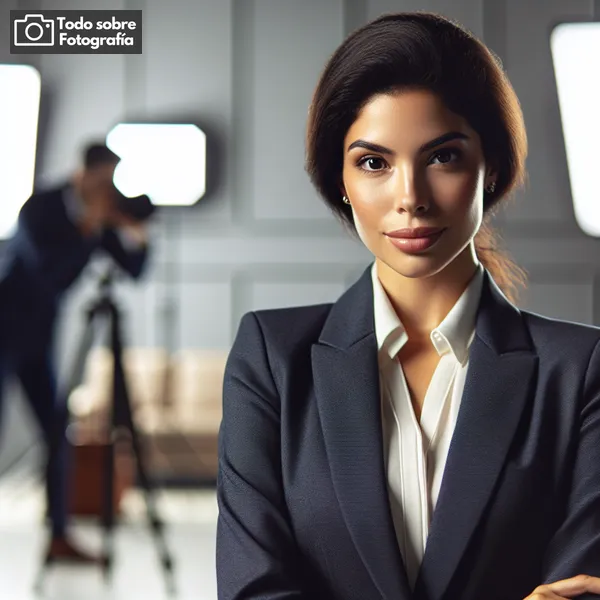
[
  {"x": 351, "y": 318},
  {"x": 501, "y": 370}
]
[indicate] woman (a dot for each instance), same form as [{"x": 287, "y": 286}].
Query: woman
[{"x": 338, "y": 417}]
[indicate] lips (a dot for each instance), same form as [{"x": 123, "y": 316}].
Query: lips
[
  {"x": 414, "y": 241},
  {"x": 415, "y": 232}
]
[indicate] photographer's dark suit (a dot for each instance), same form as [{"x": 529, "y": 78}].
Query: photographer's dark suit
[{"x": 44, "y": 257}]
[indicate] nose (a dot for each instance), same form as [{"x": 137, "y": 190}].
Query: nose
[{"x": 408, "y": 194}]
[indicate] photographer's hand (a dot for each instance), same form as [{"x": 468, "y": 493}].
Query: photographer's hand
[
  {"x": 126, "y": 241},
  {"x": 132, "y": 229},
  {"x": 137, "y": 233}
]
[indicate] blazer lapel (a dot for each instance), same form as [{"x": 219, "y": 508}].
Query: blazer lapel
[
  {"x": 346, "y": 378},
  {"x": 501, "y": 372}
]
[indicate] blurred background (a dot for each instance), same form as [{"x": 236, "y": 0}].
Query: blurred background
[{"x": 244, "y": 72}]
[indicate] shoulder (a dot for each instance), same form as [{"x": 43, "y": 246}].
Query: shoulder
[
  {"x": 560, "y": 335},
  {"x": 278, "y": 337},
  {"x": 48, "y": 194},
  {"x": 287, "y": 327},
  {"x": 44, "y": 202},
  {"x": 270, "y": 343}
]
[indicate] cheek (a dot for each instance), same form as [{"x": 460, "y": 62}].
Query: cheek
[
  {"x": 461, "y": 195},
  {"x": 367, "y": 221},
  {"x": 360, "y": 229}
]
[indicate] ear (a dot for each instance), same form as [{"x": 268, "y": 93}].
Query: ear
[{"x": 491, "y": 173}]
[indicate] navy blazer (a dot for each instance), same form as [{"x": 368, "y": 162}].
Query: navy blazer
[
  {"x": 302, "y": 491},
  {"x": 43, "y": 258}
]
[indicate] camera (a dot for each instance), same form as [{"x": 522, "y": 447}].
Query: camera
[
  {"x": 34, "y": 30},
  {"x": 139, "y": 208}
]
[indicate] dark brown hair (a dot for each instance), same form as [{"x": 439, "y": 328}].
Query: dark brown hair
[
  {"x": 421, "y": 50},
  {"x": 98, "y": 154}
]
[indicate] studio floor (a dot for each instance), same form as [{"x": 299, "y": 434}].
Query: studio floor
[{"x": 190, "y": 518}]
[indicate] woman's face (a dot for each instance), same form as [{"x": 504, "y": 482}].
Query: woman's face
[{"x": 410, "y": 162}]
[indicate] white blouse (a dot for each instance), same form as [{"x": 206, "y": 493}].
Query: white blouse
[{"x": 415, "y": 452}]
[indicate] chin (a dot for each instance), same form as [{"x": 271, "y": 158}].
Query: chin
[
  {"x": 414, "y": 267},
  {"x": 445, "y": 254}
]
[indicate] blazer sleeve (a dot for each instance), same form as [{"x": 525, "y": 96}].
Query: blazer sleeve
[
  {"x": 132, "y": 260},
  {"x": 575, "y": 547},
  {"x": 256, "y": 555}
]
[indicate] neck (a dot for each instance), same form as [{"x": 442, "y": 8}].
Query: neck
[{"x": 422, "y": 303}]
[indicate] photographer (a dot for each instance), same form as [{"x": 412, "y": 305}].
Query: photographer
[{"x": 58, "y": 231}]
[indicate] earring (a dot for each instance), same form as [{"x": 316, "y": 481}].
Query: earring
[
  {"x": 346, "y": 199},
  {"x": 491, "y": 188}
]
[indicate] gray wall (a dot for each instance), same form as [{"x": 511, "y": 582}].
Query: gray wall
[{"x": 247, "y": 68}]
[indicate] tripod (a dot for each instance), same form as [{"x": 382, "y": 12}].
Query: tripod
[{"x": 120, "y": 418}]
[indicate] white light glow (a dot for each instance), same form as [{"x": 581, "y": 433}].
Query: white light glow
[
  {"x": 167, "y": 162},
  {"x": 20, "y": 87},
  {"x": 576, "y": 55}
]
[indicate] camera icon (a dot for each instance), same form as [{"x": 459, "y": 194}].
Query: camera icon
[{"x": 34, "y": 30}]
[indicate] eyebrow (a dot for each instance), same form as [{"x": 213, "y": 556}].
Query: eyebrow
[{"x": 451, "y": 135}]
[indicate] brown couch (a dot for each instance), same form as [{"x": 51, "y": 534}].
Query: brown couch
[{"x": 177, "y": 404}]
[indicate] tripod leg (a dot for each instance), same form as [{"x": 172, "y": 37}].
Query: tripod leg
[
  {"x": 39, "y": 580},
  {"x": 124, "y": 417},
  {"x": 108, "y": 504},
  {"x": 155, "y": 522},
  {"x": 85, "y": 345}
]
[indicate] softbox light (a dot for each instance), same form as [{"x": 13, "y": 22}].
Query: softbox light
[
  {"x": 167, "y": 162},
  {"x": 20, "y": 87},
  {"x": 575, "y": 51}
]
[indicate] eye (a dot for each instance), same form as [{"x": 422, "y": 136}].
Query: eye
[
  {"x": 445, "y": 155},
  {"x": 373, "y": 161}
]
